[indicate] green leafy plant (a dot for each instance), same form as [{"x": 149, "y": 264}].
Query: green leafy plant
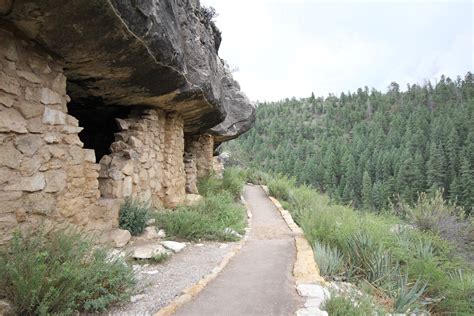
[
  {"x": 59, "y": 274},
  {"x": 133, "y": 216}
]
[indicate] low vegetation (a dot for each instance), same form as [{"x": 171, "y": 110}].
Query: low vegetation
[
  {"x": 216, "y": 217},
  {"x": 133, "y": 216},
  {"x": 349, "y": 305},
  {"x": 159, "y": 258},
  {"x": 406, "y": 262},
  {"x": 61, "y": 273}
]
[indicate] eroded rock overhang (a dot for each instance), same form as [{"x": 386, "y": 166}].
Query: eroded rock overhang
[{"x": 161, "y": 54}]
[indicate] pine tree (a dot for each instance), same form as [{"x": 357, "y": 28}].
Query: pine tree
[
  {"x": 436, "y": 168},
  {"x": 395, "y": 143},
  {"x": 467, "y": 185},
  {"x": 367, "y": 191}
]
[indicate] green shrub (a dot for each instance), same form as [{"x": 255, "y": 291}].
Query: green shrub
[
  {"x": 280, "y": 187},
  {"x": 329, "y": 260},
  {"x": 433, "y": 214},
  {"x": 256, "y": 176},
  {"x": 233, "y": 182},
  {"x": 209, "y": 185},
  {"x": 60, "y": 274},
  {"x": 213, "y": 218},
  {"x": 133, "y": 216},
  {"x": 348, "y": 306}
]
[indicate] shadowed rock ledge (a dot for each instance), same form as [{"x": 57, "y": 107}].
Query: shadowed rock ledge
[{"x": 161, "y": 54}]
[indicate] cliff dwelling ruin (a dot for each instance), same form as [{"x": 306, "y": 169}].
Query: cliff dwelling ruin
[{"x": 130, "y": 102}]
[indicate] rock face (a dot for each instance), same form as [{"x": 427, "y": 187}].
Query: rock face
[
  {"x": 106, "y": 100},
  {"x": 152, "y": 53}
]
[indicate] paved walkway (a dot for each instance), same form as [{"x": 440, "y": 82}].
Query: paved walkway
[{"x": 258, "y": 280}]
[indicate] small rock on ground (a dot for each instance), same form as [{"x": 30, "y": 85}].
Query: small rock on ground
[
  {"x": 120, "y": 237},
  {"x": 173, "y": 245},
  {"x": 148, "y": 251},
  {"x": 150, "y": 233}
]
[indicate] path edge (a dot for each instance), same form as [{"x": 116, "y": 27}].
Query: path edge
[
  {"x": 192, "y": 291},
  {"x": 305, "y": 269}
]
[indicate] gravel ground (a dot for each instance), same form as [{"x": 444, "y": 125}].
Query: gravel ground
[{"x": 159, "y": 284}]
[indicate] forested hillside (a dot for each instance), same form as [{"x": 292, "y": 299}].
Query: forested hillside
[{"x": 369, "y": 147}]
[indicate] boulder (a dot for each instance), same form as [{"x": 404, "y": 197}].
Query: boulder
[{"x": 313, "y": 290}]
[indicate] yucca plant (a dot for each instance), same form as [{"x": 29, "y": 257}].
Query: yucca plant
[
  {"x": 368, "y": 258},
  {"x": 407, "y": 296},
  {"x": 424, "y": 249},
  {"x": 330, "y": 260}
]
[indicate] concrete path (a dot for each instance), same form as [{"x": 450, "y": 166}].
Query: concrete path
[{"x": 258, "y": 280}]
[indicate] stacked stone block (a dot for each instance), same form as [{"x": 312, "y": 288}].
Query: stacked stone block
[
  {"x": 201, "y": 147},
  {"x": 191, "y": 173},
  {"x": 146, "y": 162},
  {"x": 46, "y": 177}
]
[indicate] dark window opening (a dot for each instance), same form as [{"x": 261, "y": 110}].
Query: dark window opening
[{"x": 98, "y": 121}]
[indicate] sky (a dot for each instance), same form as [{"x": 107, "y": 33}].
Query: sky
[{"x": 286, "y": 48}]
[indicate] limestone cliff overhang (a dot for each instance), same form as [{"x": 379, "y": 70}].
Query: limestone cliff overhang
[{"x": 161, "y": 54}]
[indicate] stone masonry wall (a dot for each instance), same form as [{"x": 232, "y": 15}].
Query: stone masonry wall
[
  {"x": 218, "y": 166},
  {"x": 45, "y": 174},
  {"x": 191, "y": 173},
  {"x": 201, "y": 147},
  {"x": 146, "y": 160},
  {"x": 47, "y": 177}
]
